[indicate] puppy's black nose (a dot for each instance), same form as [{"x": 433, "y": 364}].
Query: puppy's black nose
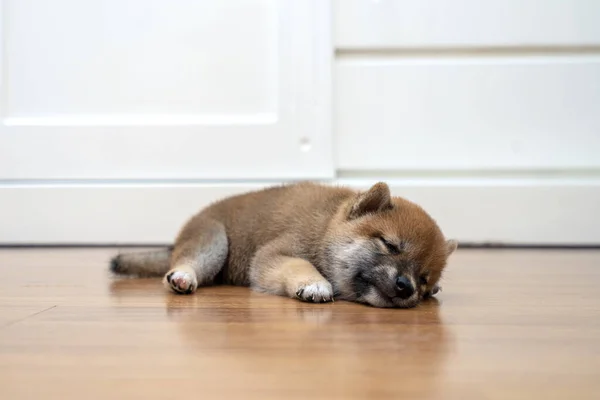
[{"x": 404, "y": 289}]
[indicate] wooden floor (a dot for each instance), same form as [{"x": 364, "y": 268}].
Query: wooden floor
[{"x": 509, "y": 324}]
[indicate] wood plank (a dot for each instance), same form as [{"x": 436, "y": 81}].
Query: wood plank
[{"x": 508, "y": 325}]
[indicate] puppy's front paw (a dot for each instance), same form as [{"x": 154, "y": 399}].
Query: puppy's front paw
[
  {"x": 316, "y": 292},
  {"x": 435, "y": 290},
  {"x": 182, "y": 282}
]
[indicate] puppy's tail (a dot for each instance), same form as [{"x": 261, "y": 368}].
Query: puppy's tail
[{"x": 145, "y": 264}]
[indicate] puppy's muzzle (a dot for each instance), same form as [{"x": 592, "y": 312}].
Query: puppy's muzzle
[{"x": 404, "y": 288}]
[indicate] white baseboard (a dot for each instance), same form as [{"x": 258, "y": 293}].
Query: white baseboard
[{"x": 504, "y": 211}]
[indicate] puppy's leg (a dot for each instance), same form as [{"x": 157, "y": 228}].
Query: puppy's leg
[
  {"x": 273, "y": 272},
  {"x": 199, "y": 254}
]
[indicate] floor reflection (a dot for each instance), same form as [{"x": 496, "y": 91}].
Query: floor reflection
[{"x": 273, "y": 343}]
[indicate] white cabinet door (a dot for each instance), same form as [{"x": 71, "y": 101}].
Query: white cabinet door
[
  {"x": 486, "y": 113},
  {"x": 156, "y": 89}
]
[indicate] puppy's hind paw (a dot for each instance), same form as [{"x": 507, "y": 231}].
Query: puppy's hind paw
[{"x": 316, "y": 292}]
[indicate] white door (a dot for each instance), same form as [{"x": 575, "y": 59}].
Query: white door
[
  {"x": 487, "y": 113},
  {"x": 156, "y": 89}
]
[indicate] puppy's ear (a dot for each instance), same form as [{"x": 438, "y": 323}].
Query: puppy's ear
[
  {"x": 451, "y": 246},
  {"x": 377, "y": 198}
]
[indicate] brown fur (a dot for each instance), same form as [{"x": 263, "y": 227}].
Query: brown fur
[{"x": 308, "y": 241}]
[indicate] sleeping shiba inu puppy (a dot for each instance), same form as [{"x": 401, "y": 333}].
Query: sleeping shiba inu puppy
[{"x": 306, "y": 241}]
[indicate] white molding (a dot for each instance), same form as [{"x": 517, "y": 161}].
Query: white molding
[
  {"x": 146, "y": 120},
  {"x": 508, "y": 211}
]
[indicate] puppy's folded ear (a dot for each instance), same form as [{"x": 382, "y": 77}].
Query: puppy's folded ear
[
  {"x": 377, "y": 198},
  {"x": 451, "y": 246}
]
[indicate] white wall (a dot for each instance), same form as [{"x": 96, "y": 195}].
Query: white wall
[{"x": 120, "y": 118}]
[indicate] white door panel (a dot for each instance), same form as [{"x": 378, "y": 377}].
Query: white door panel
[
  {"x": 144, "y": 89},
  {"x": 465, "y": 23},
  {"x": 468, "y": 113}
]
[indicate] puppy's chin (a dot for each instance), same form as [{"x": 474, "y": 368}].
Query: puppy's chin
[{"x": 375, "y": 298}]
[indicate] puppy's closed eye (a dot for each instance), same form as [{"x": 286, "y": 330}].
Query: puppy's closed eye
[{"x": 391, "y": 247}]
